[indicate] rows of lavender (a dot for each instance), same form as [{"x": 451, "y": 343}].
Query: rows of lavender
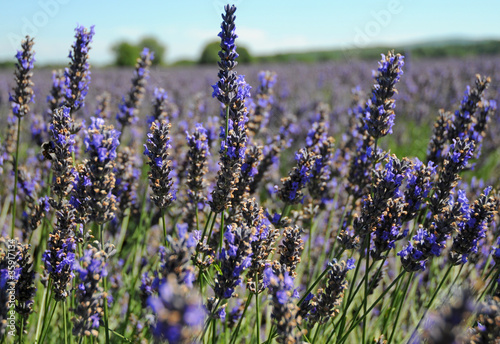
[{"x": 252, "y": 212}]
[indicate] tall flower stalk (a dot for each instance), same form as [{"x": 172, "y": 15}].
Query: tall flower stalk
[{"x": 20, "y": 101}]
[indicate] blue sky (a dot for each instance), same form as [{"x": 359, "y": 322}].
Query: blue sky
[{"x": 264, "y": 26}]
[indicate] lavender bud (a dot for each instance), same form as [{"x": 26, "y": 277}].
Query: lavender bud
[
  {"x": 291, "y": 249},
  {"x": 78, "y": 74},
  {"x": 23, "y": 93},
  {"x": 59, "y": 257},
  {"x": 59, "y": 150},
  {"x": 291, "y": 191},
  {"x": 157, "y": 150},
  {"x": 129, "y": 107},
  {"x": 379, "y": 112},
  {"x": 101, "y": 142},
  {"x": 235, "y": 257},
  {"x": 264, "y": 99},
  {"x": 473, "y": 227},
  {"x": 89, "y": 295}
]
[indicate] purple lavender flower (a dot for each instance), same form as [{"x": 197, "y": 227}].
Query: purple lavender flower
[
  {"x": 55, "y": 99},
  {"x": 431, "y": 240},
  {"x": 231, "y": 90},
  {"x": 235, "y": 257},
  {"x": 127, "y": 179},
  {"x": 101, "y": 142},
  {"x": 379, "y": 113},
  {"x": 457, "y": 159},
  {"x": 473, "y": 227},
  {"x": 179, "y": 315},
  {"x": 285, "y": 311},
  {"x": 129, "y": 106},
  {"x": 157, "y": 150},
  {"x": 160, "y": 106},
  {"x": 91, "y": 271},
  {"x": 291, "y": 191},
  {"x": 323, "y": 306},
  {"x": 264, "y": 99},
  {"x": 23, "y": 93},
  {"x": 463, "y": 120},
  {"x": 271, "y": 153},
  {"x": 418, "y": 186},
  {"x": 436, "y": 147},
  {"x": 59, "y": 150},
  {"x": 197, "y": 168},
  {"x": 77, "y": 76},
  {"x": 59, "y": 257}
]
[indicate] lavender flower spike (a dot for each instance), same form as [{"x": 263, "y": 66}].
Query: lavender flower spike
[
  {"x": 59, "y": 257},
  {"x": 59, "y": 150},
  {"x": 23, "y": 93},
  {"x": 89, "y": 294},
  {"x": 78, "y": 74},
  {"x": 474, "y": 228},
  {"x": 379, "y": 113},
  {"x": 231, "y": 91},
  {"x": 157, "y": 150},
  {"x": 101, "y": 142},
  {"x": 129, "y": 107}
]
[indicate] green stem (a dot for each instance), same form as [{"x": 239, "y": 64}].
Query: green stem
[
  {"x": 320, "y": 277},
  {"x": 317, "y": 331},
  {"x": 429, "y": 305},
  {"x": 164, "y": 222},
  {"x": 235, "y": 333},
  {"x": 16, "y": 166},
  {"x": 46, "y": 328},
  {"x": 65, "y": 323},
  {"x": 21, "y": 332},
  {"x": 403, "y": 297},
  {"x": 42, "y": 312},
  {"x": 221, "y": 230},
  {"x": 271, "y": 334},
  {"x": 105, "y": 282},
  {"x": 257, "y": 307},
  {"x": 358, "y": 321}
]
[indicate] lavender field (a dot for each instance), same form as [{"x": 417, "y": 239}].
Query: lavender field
[{"x": 337, "y": 202}]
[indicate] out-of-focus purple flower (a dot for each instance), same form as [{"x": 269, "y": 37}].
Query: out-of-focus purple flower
[
  {"x": 129, "y": 106},
  {"x": 178, "y": 313}
]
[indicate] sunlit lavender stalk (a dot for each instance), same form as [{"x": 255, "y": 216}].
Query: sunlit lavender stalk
[
  {"x": 77, "y": 75},
  {"x": 20, "y": 99},
  {"x": 157, "y": 150}
]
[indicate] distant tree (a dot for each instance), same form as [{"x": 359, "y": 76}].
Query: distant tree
[
  {"x": 152, "y": 44},
  {"x": 126, "y": 54},
  {"x": 210, "y": 55}
]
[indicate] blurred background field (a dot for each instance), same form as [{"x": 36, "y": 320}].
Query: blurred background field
[{"x": 429, "y": 84}]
